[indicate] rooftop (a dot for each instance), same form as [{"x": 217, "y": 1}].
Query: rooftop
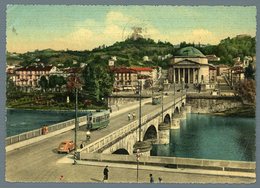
[
  {"x": 142, "y": 69},
  {"x": 190, "y": 52},
  {"x": 35, "y": 68}
]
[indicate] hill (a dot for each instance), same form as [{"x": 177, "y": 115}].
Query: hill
[{"x": 131, "y": 53}]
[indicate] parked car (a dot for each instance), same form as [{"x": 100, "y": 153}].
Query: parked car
[{"x": 66, "y": 146}]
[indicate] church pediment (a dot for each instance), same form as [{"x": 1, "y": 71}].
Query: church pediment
[{"x": 186, "y": 62}]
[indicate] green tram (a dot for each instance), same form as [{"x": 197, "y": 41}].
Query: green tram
[
  {"x": 156, "y": 100},
  {"x": 98, "y": 119}
]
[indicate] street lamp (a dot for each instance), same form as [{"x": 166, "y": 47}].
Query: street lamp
[
  {"x": 174, "y": 93},
  {"x": 138, "y": 155},
  {"x": 76, "y": 125},
  {"x": 162, "y": 102},
  {"x": 140, "y": 110},
  {"x": 74, "y": 83}
]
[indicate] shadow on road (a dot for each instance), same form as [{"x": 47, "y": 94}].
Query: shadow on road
[{"x": 96, "y": 180}]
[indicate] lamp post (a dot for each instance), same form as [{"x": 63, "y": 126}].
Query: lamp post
[
  {"x": 138, "y": 154},
  {"x": 140, "y": 110},
  {"x": 182, "y": 87},
  {"x": 162, "y": 103},
  {"x": 74, "y": 83},
  {"x": 174, "y": 94},
  {"x": 76, "y": 125}
]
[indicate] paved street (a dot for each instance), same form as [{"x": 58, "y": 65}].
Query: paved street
[
  {"x": 38, "y": 159},
  {"x": 41, "y": 163}
]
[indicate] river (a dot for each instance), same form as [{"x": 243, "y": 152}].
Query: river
[
  {"x": 19, "y": 121},
  {"x": 199, "y": 136},
  {"x": 211, "y": 137}
]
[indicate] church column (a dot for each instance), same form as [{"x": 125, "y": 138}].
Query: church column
[
  {"x": 194, "y": 78},
  {"x": 179, "y": 75},
  {"x": 188, "y": 75},
  {"x": 173, "y": 75},
  {"x": 199, "y": 77}
]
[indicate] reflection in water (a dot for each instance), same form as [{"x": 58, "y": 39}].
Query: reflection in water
[{"x": 211, "y": 137}]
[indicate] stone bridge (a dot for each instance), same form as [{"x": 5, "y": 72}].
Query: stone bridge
[{"x": 154, "y": 129}]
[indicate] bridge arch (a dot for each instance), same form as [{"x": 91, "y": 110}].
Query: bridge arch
[
  {"x": 176, "y": 110},
  {"x": 167, "y": 119},
  {"x": 121, "y": 151},
  {"x": 150, "y": 133}
]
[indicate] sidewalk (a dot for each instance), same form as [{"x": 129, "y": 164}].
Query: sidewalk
[
  {"x": 69, "y": 159},
  {"x": 92, "y": 172}
]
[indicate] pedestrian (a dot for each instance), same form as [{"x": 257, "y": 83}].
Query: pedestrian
[
  {"x": 133, "y": 115},
  {"x": 105, "y": 172},
  {"x": 160, "y": 180},
  {"x": 151, "y": 178},
  {"x": 129, "y": 116},
  {"x": 88, "y": 135}
]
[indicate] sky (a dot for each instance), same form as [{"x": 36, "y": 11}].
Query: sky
[{"x": 78, "y": 27}]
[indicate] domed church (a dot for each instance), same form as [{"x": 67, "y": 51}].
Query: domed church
[{"x": 190, "y": 66}]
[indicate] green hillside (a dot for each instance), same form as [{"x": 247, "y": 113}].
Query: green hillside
[{"x": 131, "y": 52}]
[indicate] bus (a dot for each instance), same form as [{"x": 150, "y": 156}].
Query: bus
[{"x": 98, "y": 119}]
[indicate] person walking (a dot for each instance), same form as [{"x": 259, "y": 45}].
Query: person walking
[
  {"x": 160, "y": 180},
  {"x": 151, "y": 178},
  {"x": 133, "y": 116},
  {"x": 105, "y": 172},
  {"x": 129, "y": 116}
]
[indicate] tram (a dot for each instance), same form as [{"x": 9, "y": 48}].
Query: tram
[
  {"x": 156, "y": 100},
  {"x": 98, "y": 119}
]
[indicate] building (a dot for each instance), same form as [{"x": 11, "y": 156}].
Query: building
[
  {"x": 212, "y": 58},
  {"x": 146, "y": 58},
  {"x": 125, "y": 78},
  {"x": 222, "y": 69},
  {"x": 151, "y": 72},
  {"x": 212, "y": 74},
  {"x": 190, "y": 66},
  {"x": 27, "y": 77}
]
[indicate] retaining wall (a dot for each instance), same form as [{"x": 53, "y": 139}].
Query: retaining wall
[{"x": 176, "y": 162}]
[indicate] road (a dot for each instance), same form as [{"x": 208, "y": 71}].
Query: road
[
  {"x": 40, "y": 158},
  {"x": 40, "y": 161}
]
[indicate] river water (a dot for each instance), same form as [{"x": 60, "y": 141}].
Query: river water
[
  {"x": 199, "y": 136},
  {"x": 19, "y": 121},
  {"x": 211, "y": 137}
]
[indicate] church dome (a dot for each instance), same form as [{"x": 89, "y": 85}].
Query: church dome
[{"x": 190, "y": 52}]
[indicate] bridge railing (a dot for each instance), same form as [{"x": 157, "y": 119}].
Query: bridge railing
[
  {"x": 120, "y": 133},
  {"x": 178, "y": 162},
  {"x": 38, "y": 132}
]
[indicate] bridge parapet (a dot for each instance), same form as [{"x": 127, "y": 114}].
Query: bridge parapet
[
  {"x": 108, "y": 140},
  {"x": 176, "y": 162},
  {"x": 38, "y": 132}
]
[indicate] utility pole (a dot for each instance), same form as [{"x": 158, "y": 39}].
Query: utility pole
[
  {"x": 174, "y": 93},
  {"x": 140, "y": 110},
  {"x": 76, "y": 84},
  {"x": 76, "y": 125},
  {"x": 162, "y": 101}
]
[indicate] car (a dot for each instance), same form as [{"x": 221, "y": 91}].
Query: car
[{"x": 66, "y": 146}]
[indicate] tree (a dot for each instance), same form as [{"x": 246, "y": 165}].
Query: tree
[
  {"x": 60, "y": 81},
  {"x": 56, "y": 81},
  {"x": 249, "y": 72},
  {"x": 98, "y": 81},
  {"x": 43, "y": 82},
  {"x": 52, "y": 81}
]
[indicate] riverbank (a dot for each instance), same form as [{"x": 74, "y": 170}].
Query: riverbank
[{"x": 247, "y": 111}]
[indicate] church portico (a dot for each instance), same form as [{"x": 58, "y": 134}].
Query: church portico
[{"x": 190, "y": 66}]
